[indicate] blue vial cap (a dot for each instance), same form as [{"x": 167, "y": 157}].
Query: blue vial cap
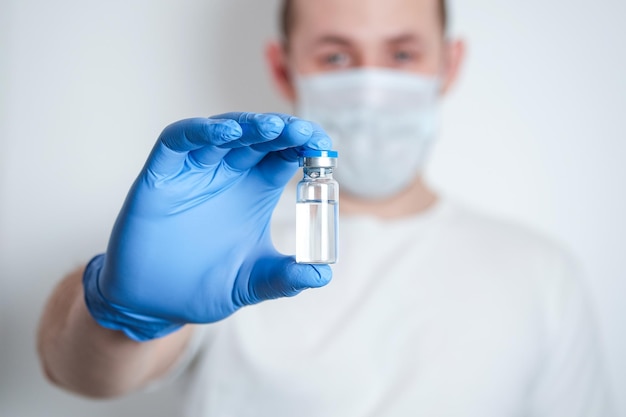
[
  {"x": 314, "y": 158},
  {"x": 314, "y": 153}
]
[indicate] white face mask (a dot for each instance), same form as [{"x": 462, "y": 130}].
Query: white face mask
[{"x": 381, "y": 121}]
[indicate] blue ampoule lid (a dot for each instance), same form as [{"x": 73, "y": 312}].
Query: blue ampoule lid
[
  {"x": 314, "y": 158},
  {"x": 314, "y": 153}
]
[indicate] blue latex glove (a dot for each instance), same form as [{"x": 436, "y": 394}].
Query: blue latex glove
[{"x": 192, "y": 242}]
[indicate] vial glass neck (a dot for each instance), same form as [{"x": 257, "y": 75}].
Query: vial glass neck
[{"x": 316, "y": 173}]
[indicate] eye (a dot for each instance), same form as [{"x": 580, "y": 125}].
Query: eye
[
  {"x": 404, "y": 56},
  {"x": 337, "y": 59}
]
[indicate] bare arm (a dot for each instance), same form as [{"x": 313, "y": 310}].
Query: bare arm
[{"x": 79, "y": 355}]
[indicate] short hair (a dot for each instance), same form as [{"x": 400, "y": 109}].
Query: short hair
[{"x": 287, "y": 17}]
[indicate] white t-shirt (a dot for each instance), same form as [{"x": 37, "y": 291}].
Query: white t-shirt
[{"x": 447, "y": 313}]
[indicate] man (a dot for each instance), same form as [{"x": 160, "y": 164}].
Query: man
[{"x": 433, "y": 310}]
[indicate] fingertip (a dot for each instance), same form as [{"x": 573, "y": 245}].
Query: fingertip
[
  {"x": 269, "y": 126},
  {"x": 319, "y": 139},
  {"x": 223, "y": 131},
  {"x": 232, "y": 130},
  {"x": 296, "y": 124},
  {"x": 322, "y": 143},
  {"x": 302, "y": 127},
  {"x": 324, "y": 272},
  {"x": 296, "y": 133},
  {"x": 310, "y": 276}
]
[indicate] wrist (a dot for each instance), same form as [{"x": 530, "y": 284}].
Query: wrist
[{"x": 138, "y": 327}]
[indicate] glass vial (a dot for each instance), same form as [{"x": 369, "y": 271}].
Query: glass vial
[{"x": 317, "y": 207}]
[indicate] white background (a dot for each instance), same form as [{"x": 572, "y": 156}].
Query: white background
[{"x": 534, "y": 132}]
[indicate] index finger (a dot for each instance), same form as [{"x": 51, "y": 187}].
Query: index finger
[
  {"x": 295, "y": 133},
  {"x": 184, "y": 136},
  {"x": 298, "y": 133},
  {"x": 256, "y": 128}
]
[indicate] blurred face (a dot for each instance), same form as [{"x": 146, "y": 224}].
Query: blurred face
[
  {"x": 331, "y": 35},
  {"x": 374, "y": 117}
]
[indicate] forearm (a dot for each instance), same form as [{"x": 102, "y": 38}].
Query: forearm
[{"x": 80, "y": 355}]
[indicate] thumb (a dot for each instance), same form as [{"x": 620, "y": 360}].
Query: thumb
[{"x": 281, "y": 276}]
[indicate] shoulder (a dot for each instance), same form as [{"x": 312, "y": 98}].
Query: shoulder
[
  {"x": 526, "y": 254},
  {"x": 502, "y": 237}
]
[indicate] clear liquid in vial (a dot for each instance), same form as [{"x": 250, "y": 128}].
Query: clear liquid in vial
[{"x": 316, "y": 227}]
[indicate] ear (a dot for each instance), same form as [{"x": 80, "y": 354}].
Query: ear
[
  {"x": 276, "y": 57},
  {"x": 454, "y": 56}
]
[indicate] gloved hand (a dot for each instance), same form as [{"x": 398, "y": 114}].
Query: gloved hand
[{"x": 192, "y": 242}]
